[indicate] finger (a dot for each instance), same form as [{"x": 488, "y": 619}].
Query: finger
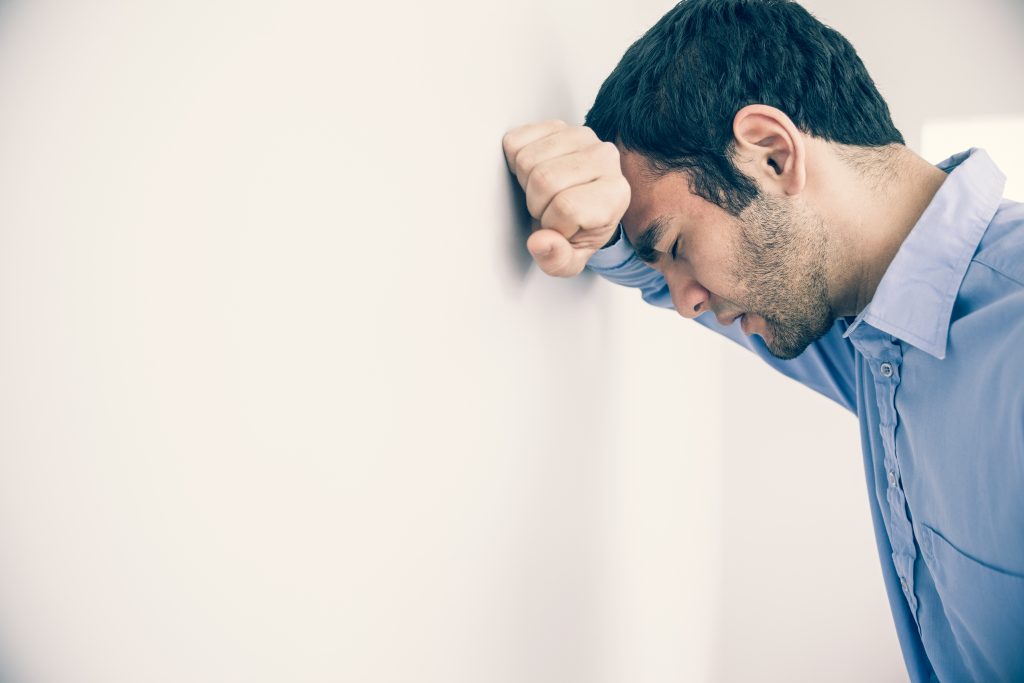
[
  {"x": 554, "y": 145},
  {"x": 555, "y": 255},
  {"x": 593, "y": 206},
  {"x": 549, "y": 177},
  {"x": 517, "y": 138}
]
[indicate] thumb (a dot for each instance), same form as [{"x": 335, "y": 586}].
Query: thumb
[{"x": 554, "y": 254}]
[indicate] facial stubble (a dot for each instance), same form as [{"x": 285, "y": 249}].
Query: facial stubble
[{"x": 781, "y": 261}]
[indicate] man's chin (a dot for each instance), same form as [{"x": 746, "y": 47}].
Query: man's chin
[
  {"x": 786, "y": 343},
  {"x": 784, "y": 352}
]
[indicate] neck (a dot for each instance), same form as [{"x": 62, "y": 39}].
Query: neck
[{"x": 871, "y": 203}]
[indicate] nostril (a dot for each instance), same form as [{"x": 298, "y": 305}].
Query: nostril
[{"x": 696, "y": 309}]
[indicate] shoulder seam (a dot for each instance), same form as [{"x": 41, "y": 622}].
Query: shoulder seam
[{"x": 999, "y": 271}]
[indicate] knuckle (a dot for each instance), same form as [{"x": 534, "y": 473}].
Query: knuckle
[
  {"x": 551, "y": 220},
  {"x": 523, "y": 163},
  {"x": 582, "y": 215},
  {"x": 607, "y": 215},
  {"x": 623, "y": 189},
  {"x": 610, "y": 152},
  {"x": 588, "y": 143},
  {"x": 542, "y": 179},
  {"x": 563, "y": 205},
  {"x": 509, "y": 142}
]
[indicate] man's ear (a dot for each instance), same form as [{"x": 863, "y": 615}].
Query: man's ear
[{"x": 770, "y": 148}]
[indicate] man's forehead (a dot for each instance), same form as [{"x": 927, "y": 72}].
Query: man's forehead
[
  {"x": 634, "y": 165},
  {"x": 657, "y": 197},
  {"x": 633, "y": 169},
  {"x": 643, "y": 221}
]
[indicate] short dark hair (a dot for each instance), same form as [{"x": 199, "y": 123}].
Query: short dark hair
[{"x": 675, "y": 92}]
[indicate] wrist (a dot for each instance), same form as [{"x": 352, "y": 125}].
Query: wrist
[{"x": 615, "y": 236}]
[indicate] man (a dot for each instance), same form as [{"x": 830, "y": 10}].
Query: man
[{"x": 740, "y": 166}]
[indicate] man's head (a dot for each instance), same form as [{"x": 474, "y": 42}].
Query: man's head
[{"x": 721, "y": 111}]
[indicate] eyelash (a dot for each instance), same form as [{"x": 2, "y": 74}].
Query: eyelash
[{"x": 674, "y": 254}]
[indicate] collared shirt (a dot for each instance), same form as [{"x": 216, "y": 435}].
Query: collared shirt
[{"x": 933, "y": 367}]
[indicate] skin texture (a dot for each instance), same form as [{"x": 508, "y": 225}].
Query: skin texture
[
  {"x": 768, "y": 264},
  {"x": 779, "y": 264},
  {"x": 813, "y": 246}
]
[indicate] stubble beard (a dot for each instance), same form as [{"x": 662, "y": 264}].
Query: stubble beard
[{"x": 782, "y": 257}]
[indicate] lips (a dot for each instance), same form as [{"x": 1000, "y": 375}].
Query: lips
[
  {"x": 728, "y": 321},
  {"x": 748, "y": 323}
]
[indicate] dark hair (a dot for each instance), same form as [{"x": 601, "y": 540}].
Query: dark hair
[{"x": 674, "y": 94}]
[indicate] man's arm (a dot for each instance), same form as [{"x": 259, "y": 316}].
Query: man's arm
[{"x": 826, "y": 366}]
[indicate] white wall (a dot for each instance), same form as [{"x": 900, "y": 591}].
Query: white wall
[{"x": 281, "y": 397}]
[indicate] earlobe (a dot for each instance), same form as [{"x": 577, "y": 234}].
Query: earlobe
[{"x": 770, "y": 148}]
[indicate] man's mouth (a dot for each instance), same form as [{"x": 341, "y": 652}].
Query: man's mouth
[
  {"x": 749, "y": 320},
  {"x": 729, "y": 321}
]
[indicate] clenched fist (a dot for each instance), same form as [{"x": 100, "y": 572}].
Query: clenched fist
[{"x": 574, "y": 188}]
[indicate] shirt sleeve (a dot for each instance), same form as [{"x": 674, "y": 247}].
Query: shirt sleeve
[{"x": 827, "y": 365}]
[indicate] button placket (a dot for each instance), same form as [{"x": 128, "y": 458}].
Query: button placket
[
  {"x": 902, "y": 537},
  {"x": 884, "y": 357}
]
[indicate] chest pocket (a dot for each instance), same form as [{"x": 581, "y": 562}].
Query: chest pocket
[{"x": 984, "y": 606}]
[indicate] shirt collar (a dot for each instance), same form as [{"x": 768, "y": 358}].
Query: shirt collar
[{"x": 914, "y": 299}]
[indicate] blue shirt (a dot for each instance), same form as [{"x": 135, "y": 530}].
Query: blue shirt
[{"x": 933, "y": 367}]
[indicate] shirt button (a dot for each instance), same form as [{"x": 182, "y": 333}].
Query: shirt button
[
  {"x": 886, "y": 369},
  {"x": 892, "y": 478}
]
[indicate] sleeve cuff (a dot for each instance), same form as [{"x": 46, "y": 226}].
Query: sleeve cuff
[{"x": 613, "y": 256}]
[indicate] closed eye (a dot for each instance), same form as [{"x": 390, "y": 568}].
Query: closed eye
[{"x": 674, "y": 246}]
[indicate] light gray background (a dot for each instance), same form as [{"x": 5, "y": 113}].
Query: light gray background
[{"x": 282, "y": 398}]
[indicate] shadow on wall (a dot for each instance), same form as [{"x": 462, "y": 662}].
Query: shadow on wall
[
  {"x": 558, "y": 93},
  {"x": 519, "y": 229}
]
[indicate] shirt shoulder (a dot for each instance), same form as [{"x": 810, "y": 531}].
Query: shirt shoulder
[
  {"x": 988, "y": 315},
  {"x": 1002, "y": 247}
]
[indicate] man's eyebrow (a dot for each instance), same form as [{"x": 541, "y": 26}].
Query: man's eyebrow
[{"x": 649, "y": 238}]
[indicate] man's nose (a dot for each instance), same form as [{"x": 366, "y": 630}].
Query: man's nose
[{"x": 688, "y": 296}]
